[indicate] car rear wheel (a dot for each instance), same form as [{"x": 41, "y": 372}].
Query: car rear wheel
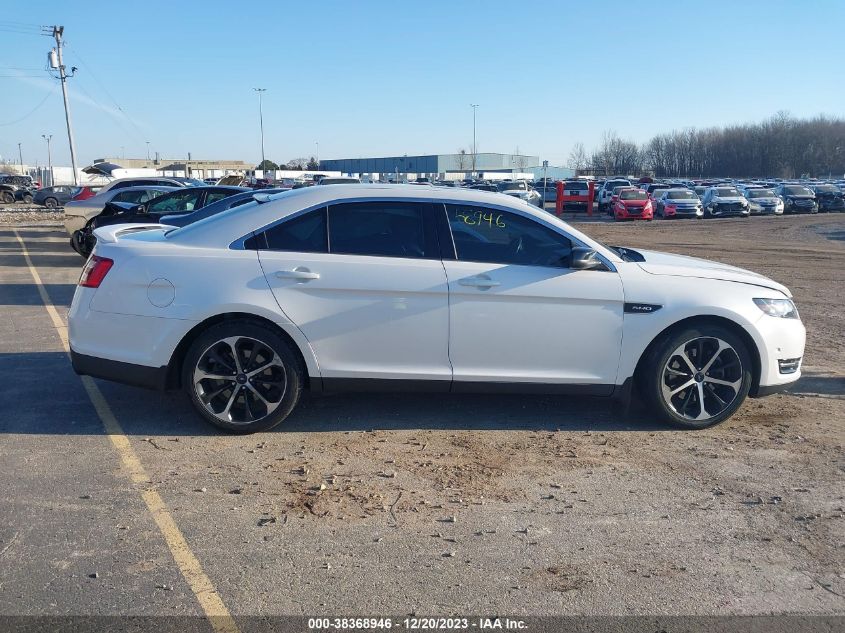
[
  {"x": 7, "y": 197},
  {"x": 242, "y": 376},
  {"x": 51, "y": 203},
  {"x": 697, "y": 377},
  {"x": 27, "y": 198}
]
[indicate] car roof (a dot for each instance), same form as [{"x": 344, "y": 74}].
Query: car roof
[{"x": 225, "y": 228}]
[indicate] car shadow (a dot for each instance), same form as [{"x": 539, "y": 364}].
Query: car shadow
[
  {"x": 818, "y": 384},
  {"x": 44, "y": 396},
  {"x": 27, "y": 295}
]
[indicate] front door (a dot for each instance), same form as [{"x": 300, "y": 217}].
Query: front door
[{"x": 520, "y": 314}]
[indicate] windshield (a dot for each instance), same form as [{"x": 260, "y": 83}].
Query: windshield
[
  {"x": 760, "y": 193},
  {"x": 826, "y": 189},
  {"x": 727, "y": 192},
  {"x": 681, "y": 195},
  {"x": 617, "y": 183},
  {"x": 575, "y": 184},
  {"x": 513, "y": 186},
  {"x": 797, "y": 191},
  {"x": 633, "y": 194}
]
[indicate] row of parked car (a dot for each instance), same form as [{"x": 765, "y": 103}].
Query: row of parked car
[{"x": 624, "y": 199}]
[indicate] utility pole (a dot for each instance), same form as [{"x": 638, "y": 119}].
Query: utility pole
[
  {"x": 317, "y": 151},
  {"x": 47, "y": 138},
  {"x": 20, "y": 157},
  {"x": 58, "y": 63},
  {"x": 474, "y": 107},
  {"x": 261, "y": 122},
  {"x": 148, "y": 150}
]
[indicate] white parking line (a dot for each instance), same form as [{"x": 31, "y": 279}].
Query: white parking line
[{"x": 210, "y": 602}]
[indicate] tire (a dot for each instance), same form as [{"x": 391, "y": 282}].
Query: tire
[
  {"x": 252, "y": 400},
  {"x": 7, "y": 197},
  {"x": 27, "y": 198},
  {"x": 674, "y": 392},
  {"x": 51, "y": 203}
]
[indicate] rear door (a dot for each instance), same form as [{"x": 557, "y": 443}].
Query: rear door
[
  {"x": 519, "y": 313},
  {"x": 365, "y": 284}
]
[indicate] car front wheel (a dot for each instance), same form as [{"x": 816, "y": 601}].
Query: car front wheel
[
  {"x": 51, "y": 203},
  {"x": 697, "y": 377},
  {"x": 242, "y": 376}
]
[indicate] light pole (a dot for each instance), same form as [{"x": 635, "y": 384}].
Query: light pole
[
  {"x": 317, "y": 152},
  {"x": 261, "y": 122},
  {"x": 148, "y": 150},
  {"x": 47, "y": 138},
  {"x": 474, "y": 107},
  {"x": 20, "y": 157}
]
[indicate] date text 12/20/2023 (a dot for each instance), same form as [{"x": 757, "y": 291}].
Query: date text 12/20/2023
[{"x": 416, "y": 624}]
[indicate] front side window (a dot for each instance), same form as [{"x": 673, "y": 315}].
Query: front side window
[
  {"x": 382, "y": 229},
  {"x": 177, "y": 202},
  {"x": 500, "y": 237}
]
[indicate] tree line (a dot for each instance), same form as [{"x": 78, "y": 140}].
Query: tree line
[
  {"x": 779, "y": 147},
  {"x": 297, "y": 164}
]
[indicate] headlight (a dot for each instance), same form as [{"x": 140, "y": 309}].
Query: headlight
[{"x": 783, "y": 308}]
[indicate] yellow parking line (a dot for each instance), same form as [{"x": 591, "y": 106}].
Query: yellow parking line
[{"x": 210, "y": 602}]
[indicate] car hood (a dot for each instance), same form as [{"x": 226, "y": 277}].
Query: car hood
[
  {"x": 763, "y": 200},
  {"x": 657, "y": 263},
  {"x": 727, "y": 199}
]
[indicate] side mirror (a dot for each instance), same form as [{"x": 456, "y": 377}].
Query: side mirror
[
  {"x": 139, "y": 208},
  {"x": 583, "y": 258}
]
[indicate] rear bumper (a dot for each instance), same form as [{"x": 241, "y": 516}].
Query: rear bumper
[{"x": 117, "y": 371}]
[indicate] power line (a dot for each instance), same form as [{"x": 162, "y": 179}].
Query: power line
[{"x": 40, "y": 103}]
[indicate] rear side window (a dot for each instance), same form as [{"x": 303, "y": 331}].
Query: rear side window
[
  {"x": 381, "y": 229},
  {"x": 303, "y": 234}
]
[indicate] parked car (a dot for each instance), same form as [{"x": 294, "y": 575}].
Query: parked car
[
  {"x": 183, "y": 201},
  {"x": 763, "y": 201},
  {"x": 829, "y": 198},
  {"x": 199, "y": 308},
  {"x": 338, "y": 180},
  {"x": 522, "y": 190},
  {"x": 16, "y": 188},
  {"x": 213, "y": 208},
  {"x": 210, "y": 181},
  {"x": 604, "y": 193},
  {"x": 483, "y": 186},
  {"x": 724, "y": 201},
  {"x": 79, "y": 214},
  {"x": 547, "y": 190},
  {"x": 632, "y": 204},
  {"x": 797, "y": 199},
  {"x": 678, "y": 203},
  {"x": 152, "y": 181},
  {"x": 575, "y": 188},
  {"x": 54, "y": 197}
]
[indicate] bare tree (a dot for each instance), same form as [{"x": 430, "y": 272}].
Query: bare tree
[
  {"x": 463, "y": 159},
  {"x": 577, "y": 157}
]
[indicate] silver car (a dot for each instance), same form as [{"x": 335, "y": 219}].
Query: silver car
[
  {"x": 78, "y": 213},
  {"x": 522, "y": 190}
]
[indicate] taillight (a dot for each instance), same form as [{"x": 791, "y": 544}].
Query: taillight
[{"x": 95, "y": 271}]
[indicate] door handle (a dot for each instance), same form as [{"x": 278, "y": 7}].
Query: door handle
[
  {"x": 481, "y": 281},
  {"x": 300, "y": 272}
]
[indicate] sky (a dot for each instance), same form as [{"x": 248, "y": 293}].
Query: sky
[{"x": 371, "y": 78}]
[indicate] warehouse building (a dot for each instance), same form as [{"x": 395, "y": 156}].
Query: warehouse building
[{"x": 435, "y": 166}]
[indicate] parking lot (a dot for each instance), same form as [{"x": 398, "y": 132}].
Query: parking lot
[{"x": 390, "y": 505}]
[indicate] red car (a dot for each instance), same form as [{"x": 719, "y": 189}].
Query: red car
[
  {"x": 87, "y": 191},
  {"x": 633, "y": 204}
]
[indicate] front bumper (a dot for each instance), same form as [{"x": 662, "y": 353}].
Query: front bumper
[
  {"x": 727, "y": 210},
  {"x": 781, "y": 347},
  {"x": 74, "y": 223}
]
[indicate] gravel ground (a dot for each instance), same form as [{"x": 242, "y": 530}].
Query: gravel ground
[{"x": 364, "y": 504}]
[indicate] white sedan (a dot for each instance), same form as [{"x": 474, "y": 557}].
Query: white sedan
[{"x": 421, "y": 288}]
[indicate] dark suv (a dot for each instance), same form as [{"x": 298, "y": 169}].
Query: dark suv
[
  {"x": 797, "y": 199},
  {"x": 14, "y": 188}
]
